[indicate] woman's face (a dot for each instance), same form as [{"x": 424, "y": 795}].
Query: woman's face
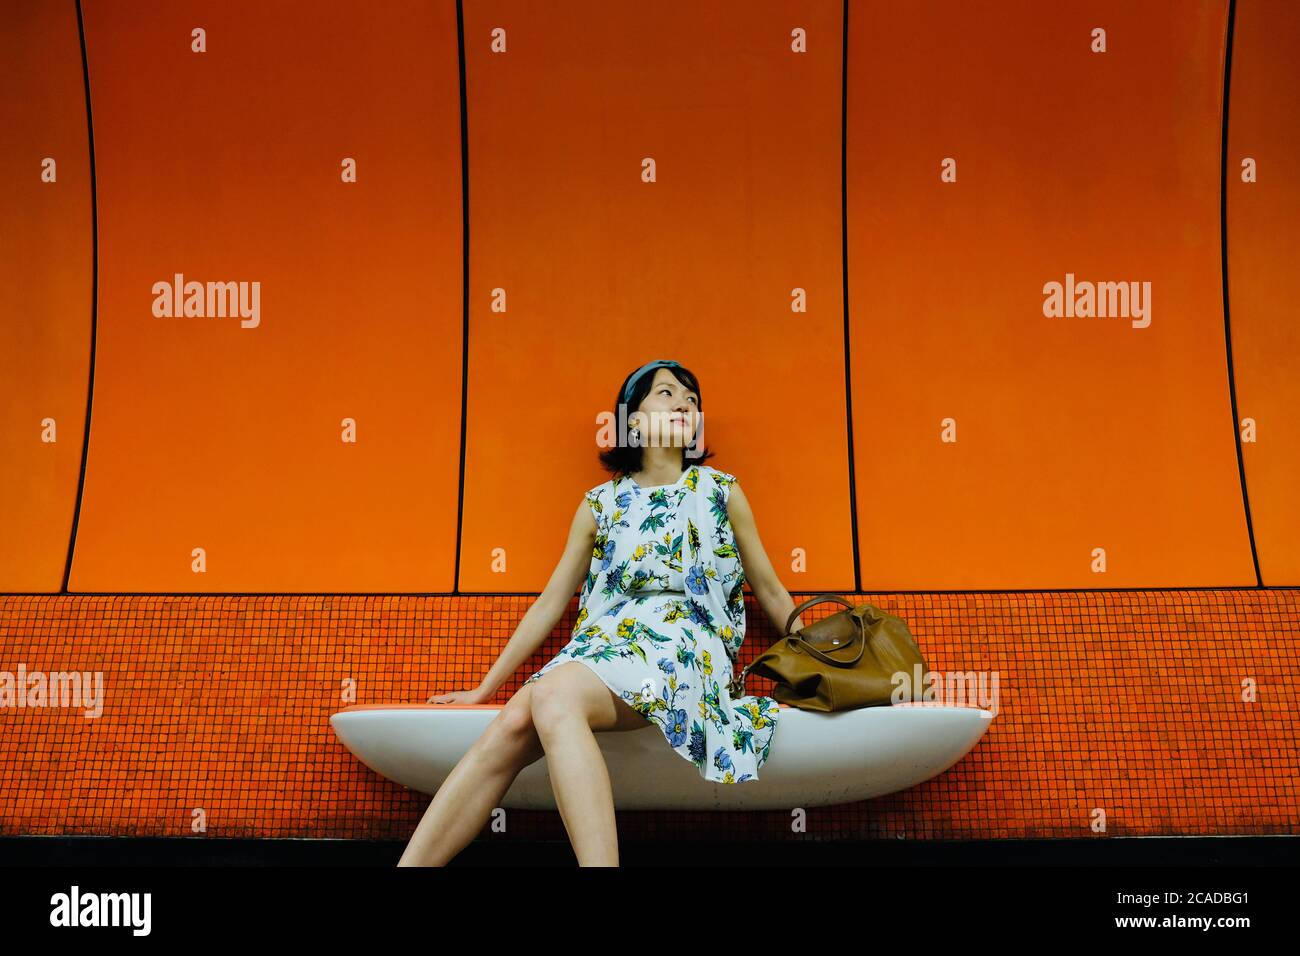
[{"x": 670, "y": 412}]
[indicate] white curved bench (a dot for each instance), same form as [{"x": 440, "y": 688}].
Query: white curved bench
[{"x": 816, "y": 759}]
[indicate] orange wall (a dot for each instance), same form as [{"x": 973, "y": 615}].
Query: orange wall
[
  {"x": 1263, "y": 250},
  {"x": 226, "y": 166},
  {"x": 1072, "y": 434},
  {"x": 45, "y": 290},
  {"x": 603, "y": 272}
]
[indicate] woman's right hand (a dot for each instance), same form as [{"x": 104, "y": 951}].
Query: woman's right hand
[{"x": 475, "y": 696}]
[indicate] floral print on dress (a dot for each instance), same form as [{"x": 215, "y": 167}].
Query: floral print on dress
[{"x": 661, "y": 619}]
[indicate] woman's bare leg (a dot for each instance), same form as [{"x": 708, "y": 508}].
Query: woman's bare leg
[
  {"x": 569, "y": 703},
  {"x": 474, "y": 788}
]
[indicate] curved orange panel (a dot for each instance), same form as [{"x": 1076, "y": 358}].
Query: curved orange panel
[
  {"x": 1263, "y": 249},
  {"x": 225, "y": 431},
  {"x": 1078, "y": 440},
  {"x": 45, "y": 287},
  {"x": 602, "y": 270}
]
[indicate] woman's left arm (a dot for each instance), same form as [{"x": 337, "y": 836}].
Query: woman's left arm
[{"x": 768, "y": 590}]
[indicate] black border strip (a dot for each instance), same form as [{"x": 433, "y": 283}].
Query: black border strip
[
  {"x": 464, "y": 298},
  {"x": 1223, "y": 252},
  {"x": 794, "y": 593},
  {"x": 94, "y": 304},
  {"x": 847, "y": 848},
  {"x": 844, "y": 269}
]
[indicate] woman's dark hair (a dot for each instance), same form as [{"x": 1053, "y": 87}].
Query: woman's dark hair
[{"x": 625, "y": 458}]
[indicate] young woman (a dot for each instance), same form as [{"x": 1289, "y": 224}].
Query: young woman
[{"x": 660, "y": 551}]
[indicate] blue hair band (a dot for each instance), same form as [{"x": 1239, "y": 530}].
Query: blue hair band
[{"x": 658, "y": 363}]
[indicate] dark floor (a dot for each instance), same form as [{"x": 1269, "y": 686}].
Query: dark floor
[{"x": 1102, "y": 851}]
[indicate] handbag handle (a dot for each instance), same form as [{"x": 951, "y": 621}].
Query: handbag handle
[
  {"x": 738, "y": 681},
  {"x": 809, "y": 603},
  {"x": 862, "y": 646}
]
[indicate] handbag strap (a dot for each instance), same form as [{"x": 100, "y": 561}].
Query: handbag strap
[
  {"x": 809, "y": 603},
  {"x": 814, "y": 651}
]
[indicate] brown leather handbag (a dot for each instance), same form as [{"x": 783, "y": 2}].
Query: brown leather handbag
[{"x": 842, "y": 662}]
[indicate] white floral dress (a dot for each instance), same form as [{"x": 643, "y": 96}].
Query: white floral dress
[{"x": 661, "y": 618}]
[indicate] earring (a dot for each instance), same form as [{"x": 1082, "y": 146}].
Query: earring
[{"x": 634, "y": 436}]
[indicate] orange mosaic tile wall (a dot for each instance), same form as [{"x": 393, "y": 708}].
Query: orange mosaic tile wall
[{"x": 1172, "y": 711}]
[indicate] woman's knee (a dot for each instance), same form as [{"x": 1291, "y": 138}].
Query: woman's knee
[
  {"x": 513, "y": 725},
  {"x": 516, "y": 717},
  {"x": 561, "y": 696},
  {"x": 581, "y": 696}
]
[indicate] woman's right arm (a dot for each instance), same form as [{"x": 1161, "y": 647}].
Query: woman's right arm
[{"x": 540, "y": 619}]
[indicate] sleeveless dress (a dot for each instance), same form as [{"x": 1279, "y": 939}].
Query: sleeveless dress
[{"x": 661, "y": 619}]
